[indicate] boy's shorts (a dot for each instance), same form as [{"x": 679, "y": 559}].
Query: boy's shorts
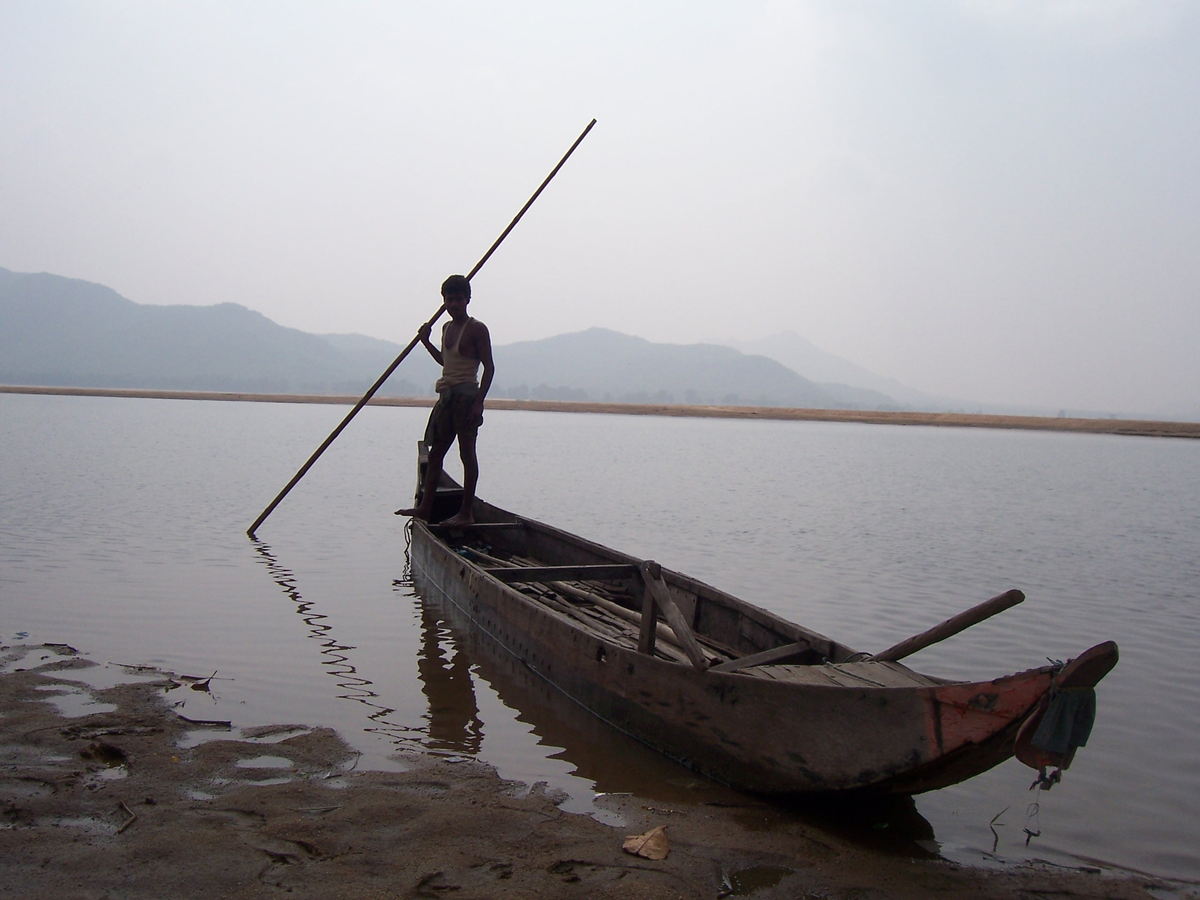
[{"x": 451, "y": 415}]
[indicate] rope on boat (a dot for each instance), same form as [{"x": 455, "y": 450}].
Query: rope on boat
[
  {"x": 406, "y": 577},
  {"x": 1033, "y": 822}
]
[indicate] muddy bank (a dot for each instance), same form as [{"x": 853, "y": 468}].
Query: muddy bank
[
  {"x": 1140, "y": 427},
  {"x": 124, "y": 802}
]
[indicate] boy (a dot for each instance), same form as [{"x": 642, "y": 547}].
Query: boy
[{"x": 458, "y": 412}]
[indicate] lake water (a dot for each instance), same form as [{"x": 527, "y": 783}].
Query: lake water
[{"x": 122, "y": 532}]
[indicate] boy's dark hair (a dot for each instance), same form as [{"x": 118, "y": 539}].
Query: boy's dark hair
[{"x": 457, "y": 284}]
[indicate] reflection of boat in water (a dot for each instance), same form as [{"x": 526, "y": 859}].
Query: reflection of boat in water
[
  {"x": 612, "y": 762},
  {"x": 608, "y": 761},
  {"x": 446, "y": 681},
  {"x": 727, "y": 688}
]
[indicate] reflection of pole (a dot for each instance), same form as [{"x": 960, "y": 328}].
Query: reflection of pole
[
  {"x": 336, "y": 661},
  {"x": 453, "y": 713}
]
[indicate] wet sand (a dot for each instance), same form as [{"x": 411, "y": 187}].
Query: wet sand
[
  {"x": 1142, "y": 427},
  {"x": 118, "y": 803}
]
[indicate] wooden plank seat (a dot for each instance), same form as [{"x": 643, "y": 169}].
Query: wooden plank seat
[
  {"x": 774, "y": 656},
  {"x": 543, "y": 574}
]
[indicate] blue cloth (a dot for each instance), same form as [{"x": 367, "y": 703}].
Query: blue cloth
[{"x": 1068, "y": 721}]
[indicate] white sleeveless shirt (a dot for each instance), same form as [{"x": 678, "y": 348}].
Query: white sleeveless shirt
[{"x": 456, "y": 368}]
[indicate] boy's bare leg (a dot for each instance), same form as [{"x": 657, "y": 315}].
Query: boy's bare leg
[
  {"x": 466, "y": 450},
  {"x": 433, "y": 477}
]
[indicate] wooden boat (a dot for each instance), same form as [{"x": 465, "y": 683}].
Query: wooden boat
[{"x": 729, "y": 689}]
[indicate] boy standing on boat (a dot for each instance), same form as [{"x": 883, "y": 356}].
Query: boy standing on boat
[{"x": 458, "y": 412}]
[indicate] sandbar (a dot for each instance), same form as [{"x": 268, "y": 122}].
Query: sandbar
[{"x": 1138, "y": 427}]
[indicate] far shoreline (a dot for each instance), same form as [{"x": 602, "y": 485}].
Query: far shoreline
[{"x": 1134, "y": 427}]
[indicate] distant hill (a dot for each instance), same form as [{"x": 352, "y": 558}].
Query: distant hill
[
  {"x": 834, "y": 374},
  {"x": 63, "y": 331},
  {"x": 603, "y": 365},
  {"x": 830, "y": 371}
]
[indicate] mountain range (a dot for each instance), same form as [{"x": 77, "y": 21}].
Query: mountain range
[
  {"x": 63, "y": 331},
  {"x": 801, "y": 355}
]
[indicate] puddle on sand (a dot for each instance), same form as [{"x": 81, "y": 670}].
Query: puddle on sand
[
  {"x": 73, "y": 702},
  {"x": 268, "y": 782},
  {"x": 223, "y": 782},
  {"x": 271, "y": 734},
  {"x": 109, "y": 675},
  {"x": 265, "y": 762},
  {"x": 22, "y": 657},
  {"x": 192, "y": 739},
  {"x": 116, "y": 773},
  {"x": 744, "y": 882}
]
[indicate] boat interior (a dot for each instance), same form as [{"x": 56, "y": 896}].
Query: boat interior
[{"x": 636, "y": 605}]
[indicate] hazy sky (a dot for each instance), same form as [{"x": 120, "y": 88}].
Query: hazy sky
[{"x": 994, "y": 199}]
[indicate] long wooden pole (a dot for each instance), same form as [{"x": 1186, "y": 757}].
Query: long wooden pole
[{"x": 399, "y": 359}]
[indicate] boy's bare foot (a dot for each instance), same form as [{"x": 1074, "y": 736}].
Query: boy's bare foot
[
  {"x": 458, "y": 521},
  {"x": 411, "y": 513}
]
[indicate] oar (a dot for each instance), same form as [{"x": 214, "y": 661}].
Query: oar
[
  {"x": 399, "y": 359},
  {"x": 951, "y": 626}
]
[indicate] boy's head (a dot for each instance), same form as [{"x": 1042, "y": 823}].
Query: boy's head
[{"x": 457, "y": 285}]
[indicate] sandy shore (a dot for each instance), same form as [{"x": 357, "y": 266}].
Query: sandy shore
[
  {"x": 1143, "y": 427},
  {"x": 116, "y": 803}
]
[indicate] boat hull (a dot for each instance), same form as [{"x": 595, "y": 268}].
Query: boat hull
[{"x": 757, "y": 734}]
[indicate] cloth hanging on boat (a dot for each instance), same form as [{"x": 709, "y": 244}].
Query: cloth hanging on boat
[{"x": 1068, "y": 721}]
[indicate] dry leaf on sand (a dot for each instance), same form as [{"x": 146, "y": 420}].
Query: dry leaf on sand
[{"x": 651, "y": 845}]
